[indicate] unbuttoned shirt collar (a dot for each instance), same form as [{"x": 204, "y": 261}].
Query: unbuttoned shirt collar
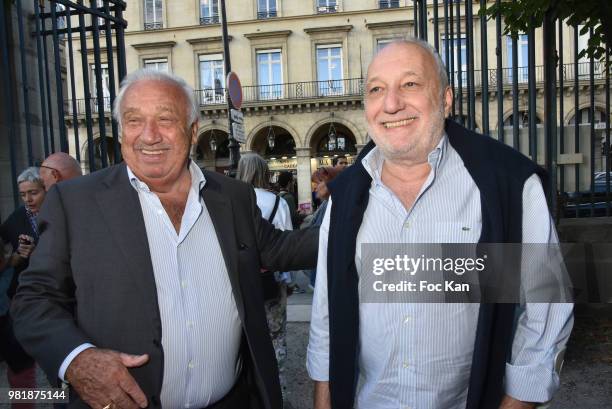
[
  {"x": 373, "y": 161},
  {"x": 197, "y": 179}
]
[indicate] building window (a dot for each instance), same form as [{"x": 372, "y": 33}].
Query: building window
[
  {"x": 211, "y": 79},
  {"x": 153, "y": 14},
  {"x": 456, "y": 45},
  {"x": 383, "y": 42},
  {"x": 209, "y": 12},
  {"x": 388, "y": 4},
  {"x": 269, "y": 74},
  {"x": 329, "y": 69},
  {"x": 327, "y": 6},
  {"x": 523, "y": 57},
  {"x": 266, "y": 8},
  {"x": 104, "y": 77},
  {"x": 159, "y": 64}
]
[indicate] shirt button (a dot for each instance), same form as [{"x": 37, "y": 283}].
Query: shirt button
[
  {"x": 406, "y": 225},
  {"x": 191, "y": 365},
  {"x": 405, "y": 365},
  {"x": 407, "y": 319},
  {"x": 189, "y": 324},
  {"x": 159, "y": 212},
  {"x": 183, "y": 284}
]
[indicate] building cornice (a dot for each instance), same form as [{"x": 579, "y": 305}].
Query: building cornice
[
  {"x": 328, "y": 29},
  {"x": 159, "y": 44},
  {"x": 268, "y": 34},
  {"x": 389, "y": 24},
  {"x": 207, "y": 40}
]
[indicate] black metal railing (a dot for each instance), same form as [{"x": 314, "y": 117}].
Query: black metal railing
[
  {"x": 341, "y": 88},
  {"x": 214, "y": 19},
  {"x": 153, "y": 25},
  {"x": 266, "y": 14},
  {"x": 388, "y": 4},
  {"x": 332, "y": 8}
]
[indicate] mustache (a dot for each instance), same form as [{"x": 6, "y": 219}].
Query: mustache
[{"x": 155, "y": 147}]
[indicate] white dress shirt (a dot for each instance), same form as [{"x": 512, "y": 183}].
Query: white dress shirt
[{"x": 420, "y": 355}]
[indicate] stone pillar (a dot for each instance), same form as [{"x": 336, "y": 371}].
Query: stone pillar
[
  {"x": 359, "y": 147},
  {"x": 303, "y": 176}
]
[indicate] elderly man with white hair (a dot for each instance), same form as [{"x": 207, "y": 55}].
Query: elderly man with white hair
[{"x": 144, "y": 290}]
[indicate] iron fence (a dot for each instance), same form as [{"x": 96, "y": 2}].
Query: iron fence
[
  {"x": 62, "y": 34},
  {"x": 48, "y": 40}
]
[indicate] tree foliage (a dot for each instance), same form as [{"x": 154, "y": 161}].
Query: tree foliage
[{"x": 522, "y": 15}]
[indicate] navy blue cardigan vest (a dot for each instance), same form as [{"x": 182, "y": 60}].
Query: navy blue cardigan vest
[{"x": 500, "y": 173}]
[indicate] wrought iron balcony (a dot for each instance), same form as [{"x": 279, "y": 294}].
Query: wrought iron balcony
[
  {"x": 266, "y": 14},
  {"x": 214, "y": 19},
  {"x": 388, "y": 4},
  {"x": 327, "y": 9},
  {"x": 353, "y": 88},
  {"x": 154, "y": 25}
]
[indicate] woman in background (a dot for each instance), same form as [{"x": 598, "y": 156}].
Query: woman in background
[
  {"x": 21, "y": 231},
  {"x": 253, "y": 169}
]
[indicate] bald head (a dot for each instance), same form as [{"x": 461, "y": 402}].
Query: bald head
[{"x": 57, "y": 167}]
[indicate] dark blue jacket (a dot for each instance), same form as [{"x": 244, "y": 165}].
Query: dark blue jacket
[{"x": 500, "y": 173}]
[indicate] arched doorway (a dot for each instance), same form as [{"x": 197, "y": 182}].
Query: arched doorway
[
  {"x": 103, "y": 153},
  {"x": 277, "y": 146},
  {"x": 329, "y": 141},
  {"x": 212, "y": 150}
]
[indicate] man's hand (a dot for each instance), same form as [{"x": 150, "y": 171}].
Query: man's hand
[
  {"x": 509, "y": 402},
  {"x": 322, "y": 398},
  {"x": 100, "y": 377},
  {"x": 26, "y": 246}
]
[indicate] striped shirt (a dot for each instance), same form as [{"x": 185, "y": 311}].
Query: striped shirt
[
  {"x": 200, "y": 324},
  {"x": 419, "y": 355}
]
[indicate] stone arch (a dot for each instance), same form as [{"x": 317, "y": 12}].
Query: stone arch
[
  {"x": 276, "y": 123},
  {"x": 570, "y": 115},
  {"x": 522, "y": 108},
  {"x": 359, "y": 138},
  {"x": 319, "y": 141},
  {"x": 110, "y": 152}
]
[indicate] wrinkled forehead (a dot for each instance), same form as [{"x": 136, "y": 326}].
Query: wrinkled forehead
[
  {"x": 399, "y": 58},
  {"x": 169, "y": 95}
]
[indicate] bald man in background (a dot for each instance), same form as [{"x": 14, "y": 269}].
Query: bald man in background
[{"x": 57, "y": 167}]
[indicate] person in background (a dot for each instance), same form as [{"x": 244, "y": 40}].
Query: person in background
[
  {"x": 340, "y": 162},
  {"x": 253, "y": 169},
  {"x": 57, "y": 167},
  {"x": 20, "y": 230},
  {"x": 321, "y": 177},
  {"x": 285, "y": 186}
]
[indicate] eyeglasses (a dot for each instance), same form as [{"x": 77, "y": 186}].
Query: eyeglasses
[{"x": 49, "y": 167}]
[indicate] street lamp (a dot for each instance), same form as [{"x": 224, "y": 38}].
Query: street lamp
[
  {"x": 271, "y": 137},
  {"x": 331, "y": 135},
  {"x": 213, "y": 142}
]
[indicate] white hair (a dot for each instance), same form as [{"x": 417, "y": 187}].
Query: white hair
[
  {"x": 425, "y": 46},
  {"x": 30, "y": 174},
  {"x": 143, "y": 74}
]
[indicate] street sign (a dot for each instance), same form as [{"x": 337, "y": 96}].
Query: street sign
[
  {"x": 237, "y": 116},
  {"x": 234, "y": 89},
  {"x": 238, "y": 132}
]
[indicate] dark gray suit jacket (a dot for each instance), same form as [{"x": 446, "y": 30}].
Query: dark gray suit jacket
[{"x": 91, "y": 278}]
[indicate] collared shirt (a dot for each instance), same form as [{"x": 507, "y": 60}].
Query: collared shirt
[
  {"x": 419, "y": 355},
  {"x": 200, "y": 324},
  {"x": 201, "y": 330}
]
